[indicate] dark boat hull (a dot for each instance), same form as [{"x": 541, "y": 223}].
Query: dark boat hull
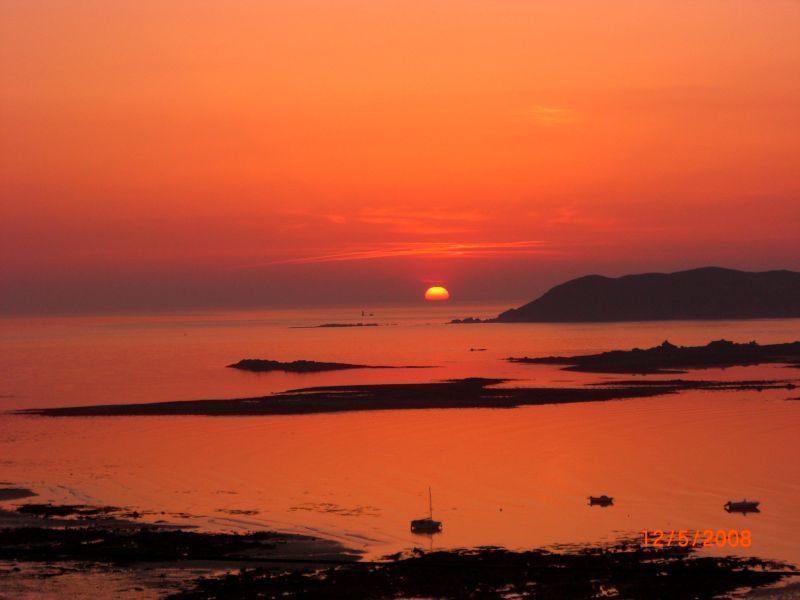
[
  {"x": 600, "y": 501},
  {"x": 742, "y": 507},
  {"x": 426, "y": 526}
]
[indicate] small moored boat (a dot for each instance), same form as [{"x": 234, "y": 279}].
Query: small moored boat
[
  {"x": 428, "y": 524},
  {"x": 601, "y": 500},
  {"x": 745, "y": 506}
]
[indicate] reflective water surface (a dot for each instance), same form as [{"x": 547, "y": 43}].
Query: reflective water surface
[{"x": 516, "y": 477}]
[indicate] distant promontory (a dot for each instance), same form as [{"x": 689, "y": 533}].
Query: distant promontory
[{"x": 706, "y": 293}]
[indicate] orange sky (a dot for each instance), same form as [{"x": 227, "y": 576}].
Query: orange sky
[{"x": 192, "y": 154}]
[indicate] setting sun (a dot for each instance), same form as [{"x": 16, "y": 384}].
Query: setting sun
[{"x": 436, "y": 293}]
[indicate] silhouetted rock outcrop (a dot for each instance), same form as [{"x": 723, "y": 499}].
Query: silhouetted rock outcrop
[
  {"x": 669, "y": 358},
  {"x": 90, "y": 539},
  {"x": 496, "y": 573},
  {"x": 707, "y": 293},
  {"x": 336, "y": 325},
  {"x": 261, "y": 365}
]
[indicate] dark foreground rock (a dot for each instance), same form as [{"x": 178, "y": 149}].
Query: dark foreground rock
[
  {"x": 14, "y": 493},
  {"x": 706, "y": 293},
  {"x": 84, "y": 548},
  {"x": 460, "y": 393},
  {"x": 668, "y": 358},
  {"x": 625, "y": 570},
  {"x": 300, "y": 567},
  {"x": 53, "y": 532},
  {"x": 153, "y": 544},
  {"x": 79, "y": 511}
]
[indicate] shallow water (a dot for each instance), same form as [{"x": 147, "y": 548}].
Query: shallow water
[{"x": 516, "y": 477}]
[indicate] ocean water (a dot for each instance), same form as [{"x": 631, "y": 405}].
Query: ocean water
[{"x": 511, "y": 477}]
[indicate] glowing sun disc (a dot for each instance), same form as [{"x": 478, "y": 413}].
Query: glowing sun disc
[{"x": 436, "y": 293}]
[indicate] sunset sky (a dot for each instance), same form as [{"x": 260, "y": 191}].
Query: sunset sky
[{"x": 159, "y": 155}]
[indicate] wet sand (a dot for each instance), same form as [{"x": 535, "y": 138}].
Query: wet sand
[{"x": 70, "y": 551}]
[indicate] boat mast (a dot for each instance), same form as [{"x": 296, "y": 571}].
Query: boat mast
[{"x": 430, "y": 504}]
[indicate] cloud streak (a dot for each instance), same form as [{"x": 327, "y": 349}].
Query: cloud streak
[
  {"x": 422, "y": 222},
  {"x": 422, "y": 250},
  {"x": 551, "y": 115}
]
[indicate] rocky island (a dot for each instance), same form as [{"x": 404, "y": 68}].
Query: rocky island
[
  {"x": 669, "y": 358},
  {"x": 335, "y": 325},
  {"x": 260, "y": 365}
]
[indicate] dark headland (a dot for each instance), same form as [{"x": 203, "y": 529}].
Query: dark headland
[{"x": 706, "y": 293}]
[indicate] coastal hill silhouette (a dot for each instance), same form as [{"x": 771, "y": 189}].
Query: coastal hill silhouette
[{"x": 705, "y": 293}]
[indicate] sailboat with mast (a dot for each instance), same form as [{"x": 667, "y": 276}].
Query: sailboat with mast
[{"x": 428, "y": 524}]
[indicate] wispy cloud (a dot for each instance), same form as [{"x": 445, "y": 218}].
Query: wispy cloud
[
  {"x": 551, "y": 115},
  {"x": 421, "y": 249},
  {"x": 571, "y": 216},
  {"x": 430, "y": 214},
  {"x": 397, "y": 219},
  {"x": 422, "y": 222}
]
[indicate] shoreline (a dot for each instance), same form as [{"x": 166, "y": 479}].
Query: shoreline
[
  {"x": 110, "y": 549},
  {"x": 168, "y": 561}
]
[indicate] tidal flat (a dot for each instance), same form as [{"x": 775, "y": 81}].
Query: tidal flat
[{"x": 472, "y": 392}]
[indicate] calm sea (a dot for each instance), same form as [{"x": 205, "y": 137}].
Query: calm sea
[{"x": 516, "y": 477}]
